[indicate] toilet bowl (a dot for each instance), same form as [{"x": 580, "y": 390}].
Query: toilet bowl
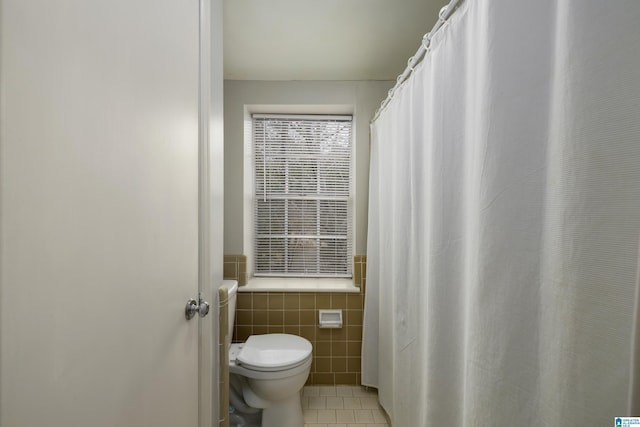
[{"x": 271, "y": 370}]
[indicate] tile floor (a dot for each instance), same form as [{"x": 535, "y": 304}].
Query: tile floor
[{"x": 342, "y": 406}]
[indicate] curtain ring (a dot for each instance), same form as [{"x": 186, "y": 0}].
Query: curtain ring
[
  {"x": 409, "y": 64},
  {"x": 442, "y": 13},
  {"x": 426, "y": 41}
]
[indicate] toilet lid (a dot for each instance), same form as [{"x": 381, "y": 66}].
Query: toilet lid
[{"x": 274, "y": 351}]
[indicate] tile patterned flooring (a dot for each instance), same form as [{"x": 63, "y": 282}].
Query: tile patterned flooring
[{"x": 342, "y": 406}]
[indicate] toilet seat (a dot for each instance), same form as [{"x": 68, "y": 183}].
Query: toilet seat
[{"x": 273, "y": 352}]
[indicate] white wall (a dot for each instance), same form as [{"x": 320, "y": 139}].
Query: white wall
[{"x": 364, "y": 97}]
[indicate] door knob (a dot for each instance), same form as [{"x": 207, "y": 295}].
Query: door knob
[{"x": 194, "y": 307}]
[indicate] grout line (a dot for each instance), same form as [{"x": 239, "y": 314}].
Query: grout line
[{"x": 321, "y": 407}]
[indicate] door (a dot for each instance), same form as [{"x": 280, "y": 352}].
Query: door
[{"x": 99, "y": 212}]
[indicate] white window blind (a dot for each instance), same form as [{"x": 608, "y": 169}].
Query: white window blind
[{"x": 303, "y": 182}]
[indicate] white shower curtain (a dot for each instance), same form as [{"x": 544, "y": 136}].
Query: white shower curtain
[{"x": 504, "y": 221}]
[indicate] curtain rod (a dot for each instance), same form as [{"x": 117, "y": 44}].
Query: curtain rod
[{"x": 443, "y": 15}]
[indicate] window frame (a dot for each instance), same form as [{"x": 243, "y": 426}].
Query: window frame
[{"x": 250, "y": 196}]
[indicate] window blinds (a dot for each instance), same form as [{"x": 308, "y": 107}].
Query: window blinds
[{"x": 303, "y": 204}]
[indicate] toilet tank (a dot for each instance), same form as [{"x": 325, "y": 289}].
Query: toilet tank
[{"x": 232, "y": 286}]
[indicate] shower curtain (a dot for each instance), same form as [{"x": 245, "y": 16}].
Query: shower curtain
[{"x": 504, "y": 221}]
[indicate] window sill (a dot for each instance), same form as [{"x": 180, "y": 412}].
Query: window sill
[{"x": 298, "y": 284}]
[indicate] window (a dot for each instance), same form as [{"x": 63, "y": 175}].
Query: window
[{"x": 302, "y": 196}]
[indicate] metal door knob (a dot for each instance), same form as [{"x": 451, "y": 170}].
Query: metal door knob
[{"x": 194, "y": 307}]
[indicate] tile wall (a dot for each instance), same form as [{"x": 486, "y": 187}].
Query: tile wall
[
  {"x": 223, "y": 332},
  {"x": 336, "y": 352},
  {"x": 235, "y": 268}
]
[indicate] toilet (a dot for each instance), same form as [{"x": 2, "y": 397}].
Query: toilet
[{"x": 271, "y": 370}]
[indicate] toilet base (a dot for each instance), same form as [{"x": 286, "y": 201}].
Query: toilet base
[{"x": 284, "y": 413}]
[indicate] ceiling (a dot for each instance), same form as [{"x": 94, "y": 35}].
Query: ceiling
[{"x": 323, "y": 39}]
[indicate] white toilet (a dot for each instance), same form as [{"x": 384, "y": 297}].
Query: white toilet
[{"x": 272, "y": 369}]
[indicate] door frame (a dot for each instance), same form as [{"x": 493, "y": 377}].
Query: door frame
[{"x": 210, "y": 209}]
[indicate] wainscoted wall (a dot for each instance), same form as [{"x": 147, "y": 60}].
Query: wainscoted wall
[
  {"x": 336, "y": 352},
  {"x": 223, "y": 333},
  {"x": 235, "y": 268}
]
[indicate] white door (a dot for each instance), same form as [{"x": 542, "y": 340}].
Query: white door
[{"x": 99, "y": 212}]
